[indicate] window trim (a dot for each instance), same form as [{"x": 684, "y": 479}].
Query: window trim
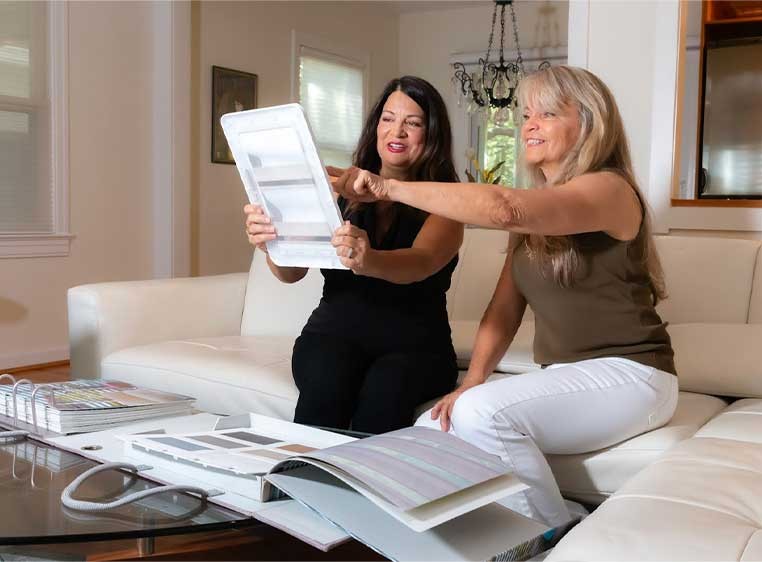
[{"x": 57, "y": 243}]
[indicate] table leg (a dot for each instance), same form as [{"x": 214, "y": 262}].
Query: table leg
[{"x": 146, "y": 546}]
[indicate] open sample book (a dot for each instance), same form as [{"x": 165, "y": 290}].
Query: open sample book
[
  {"x": 415, "y": 493},
  {"x": 83, "y": 405},
  {"x": 282, "y": 172},
  {"x": 395, "y": 492}
]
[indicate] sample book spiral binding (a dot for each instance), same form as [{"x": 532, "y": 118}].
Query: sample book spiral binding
[{"x": 82, "y": 405}]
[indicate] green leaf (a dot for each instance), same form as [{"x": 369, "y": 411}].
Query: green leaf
[
  {"x": 496, "y": 167},
  {"x": 470, "y": 177}
]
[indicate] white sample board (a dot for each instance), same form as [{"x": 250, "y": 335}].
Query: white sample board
[{"x": 282, "y": 172}]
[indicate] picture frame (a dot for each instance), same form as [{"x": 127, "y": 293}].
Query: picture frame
[{"x": 232, "y": 90}]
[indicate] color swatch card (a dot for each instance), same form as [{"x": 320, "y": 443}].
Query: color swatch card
[{"x": 246, "y": 447}]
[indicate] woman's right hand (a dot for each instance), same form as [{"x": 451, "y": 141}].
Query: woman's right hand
[
  {"x": 355, "y": 184},
  {"x": 443, "y": 408},
  {"x": 258, "y": 227}
]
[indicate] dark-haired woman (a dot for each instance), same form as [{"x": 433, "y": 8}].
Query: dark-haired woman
[{"x": 379, "y": 344}]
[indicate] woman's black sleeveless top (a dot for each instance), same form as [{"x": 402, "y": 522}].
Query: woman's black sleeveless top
[{"x": 383, "y": 314}]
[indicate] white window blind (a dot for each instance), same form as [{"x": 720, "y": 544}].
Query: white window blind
[
  {"x": 26, "y": 187},
  {"x": 331, "y": 91}
]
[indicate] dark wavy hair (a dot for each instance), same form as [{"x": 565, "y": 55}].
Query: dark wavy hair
[{"x": 435, "y": 163}]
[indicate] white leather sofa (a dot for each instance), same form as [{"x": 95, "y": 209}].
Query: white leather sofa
[{"x": 227, "y": 341}]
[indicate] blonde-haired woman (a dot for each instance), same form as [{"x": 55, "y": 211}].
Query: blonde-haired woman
[{"x": 581, "y": 255}]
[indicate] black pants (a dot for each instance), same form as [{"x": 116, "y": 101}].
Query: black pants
[{"x": 341, "y": 383}]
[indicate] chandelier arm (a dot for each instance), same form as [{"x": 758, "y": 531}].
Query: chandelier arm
[
  {"x": 502, "y": 31},
  {"x": 491, "y": 33},
  {"x": 519, "y": 59}
]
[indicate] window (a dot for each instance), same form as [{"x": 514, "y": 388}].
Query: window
[
  {"x": 332, "y": 89},
  {"x": 495, "y": 144},
  {"x": 32, "y": 168}
]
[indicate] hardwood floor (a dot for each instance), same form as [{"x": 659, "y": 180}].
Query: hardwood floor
[{"x": 38, "y": 374}]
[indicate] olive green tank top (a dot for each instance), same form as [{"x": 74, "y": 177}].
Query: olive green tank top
[{"x": 608, "y": 310}]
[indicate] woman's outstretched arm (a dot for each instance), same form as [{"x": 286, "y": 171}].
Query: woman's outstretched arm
[{"x": 599, "y": 201}]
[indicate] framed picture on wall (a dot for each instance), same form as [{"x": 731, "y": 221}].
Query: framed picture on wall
[{"x": 232, "y": 90}]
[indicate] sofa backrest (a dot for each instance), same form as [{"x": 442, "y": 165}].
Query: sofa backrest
[
  {"x": 275, "y": 308},
  {"x": 709, "y": 279},
  {"x": 481, "y": 259},
  {"x": 714, "y": 310},
  {"x": 272, "y": 307}
]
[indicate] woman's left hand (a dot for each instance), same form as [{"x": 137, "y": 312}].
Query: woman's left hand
[{"x": 353, "y": 248}]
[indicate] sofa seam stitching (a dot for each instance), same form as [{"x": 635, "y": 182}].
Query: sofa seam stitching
[
  {"x": 753, "y": 280},
  {"x": 704, "y": 462},
  {"x": 748, "y": 542}
]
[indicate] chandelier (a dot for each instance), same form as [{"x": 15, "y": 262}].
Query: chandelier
[{"x": 492, "y": 87}]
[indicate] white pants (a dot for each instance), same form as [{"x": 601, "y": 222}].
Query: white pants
[{"x": 564, "y": 409}]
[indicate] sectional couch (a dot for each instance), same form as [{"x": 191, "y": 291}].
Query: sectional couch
[{"x": 691, "y": 490}]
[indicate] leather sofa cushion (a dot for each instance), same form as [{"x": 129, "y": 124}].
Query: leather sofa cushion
[
  {"x": 720, "y": 359},
  {"x": 592, "y": 477},
  {"x": 226, "y": 375},
  {"x": 700, "y": 501}
]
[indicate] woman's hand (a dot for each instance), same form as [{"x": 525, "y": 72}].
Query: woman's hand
[
  {"x": 258, "y": 228},
  {"x": 443, "y": 408},
  {"x": 353, "y": 248},
  {"x": 355, "y": 184}
]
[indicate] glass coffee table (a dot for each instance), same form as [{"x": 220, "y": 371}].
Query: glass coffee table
[{"x": 33, "y": 475}]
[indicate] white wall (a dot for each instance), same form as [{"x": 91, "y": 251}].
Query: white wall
[
  {"x": 110, "y": 181},
  {"x": 632, "y": 45},
  {"x": 622, "y": 53},
  {"x": 427, "y": 40},
  {"x": 256, "y": 37},
  {"x": 120, "y": 164}
]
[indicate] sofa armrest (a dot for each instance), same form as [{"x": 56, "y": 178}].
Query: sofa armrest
[{"x": 107, "y": 317}]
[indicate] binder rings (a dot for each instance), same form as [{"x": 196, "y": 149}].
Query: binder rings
[{"x": 82, "y": 405}]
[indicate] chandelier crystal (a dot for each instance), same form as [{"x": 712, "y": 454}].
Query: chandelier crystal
[{"x": 492, "y": 87}]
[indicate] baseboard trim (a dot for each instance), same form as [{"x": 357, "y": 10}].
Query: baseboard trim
[{"x": 14, "y": 362}]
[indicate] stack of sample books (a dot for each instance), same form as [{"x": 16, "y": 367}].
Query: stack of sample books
[{"x": 84, "y": 405}]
